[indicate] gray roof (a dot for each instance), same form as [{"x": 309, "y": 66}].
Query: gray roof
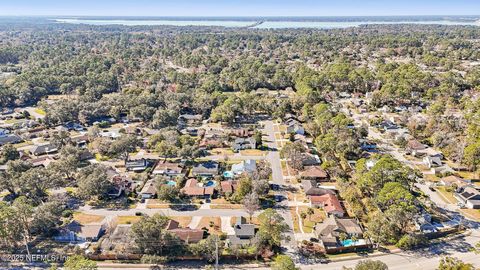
[
  {"x": 470, "y": 193},
  {"x": 332, "y": 227},
  {"x": 244, "y": 230},
  {"x": 11, "y": 138},
  {"x": 43, "y": 149},
  {"x": 206, "y": 168},
  {"x": 310, "y": 188}
]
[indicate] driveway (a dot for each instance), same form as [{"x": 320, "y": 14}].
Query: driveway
[
  {"x": 227, "y": 226},
  {"x": 195, "y": 222}
]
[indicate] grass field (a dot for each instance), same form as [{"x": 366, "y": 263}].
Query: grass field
[
  {"x": 310, "y": 222},
  {"x": 431, "y": 177},
  {"x": 472, "y": 213},
  {"x": 447, "y": 196},
  {"x": 182, "y": 220},
  {"x": 83, "y": 218},
  {"x": 226, "y": 206},
  {"x": 296, "y": 224},
  {"x": 221, "y": 203},
  {"x": 40, "y": 111},
  {"x": 254, "y": 220},
  {"x": 252, "y": 152},
  {"x": 128, "y": 219}
]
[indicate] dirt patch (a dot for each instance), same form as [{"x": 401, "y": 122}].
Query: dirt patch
[
  {"x": 182, "y": 220},
  {"x": 213, "y": 224}
]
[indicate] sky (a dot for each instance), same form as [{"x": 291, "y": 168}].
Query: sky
[{"x": 238, "y": 7}]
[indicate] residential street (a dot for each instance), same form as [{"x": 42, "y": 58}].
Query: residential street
[{"x": 273, "y": 155}]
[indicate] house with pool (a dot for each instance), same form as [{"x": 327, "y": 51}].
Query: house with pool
[
  {"x": 201, "y": 190},
  {"x": 340, "y": 234}
]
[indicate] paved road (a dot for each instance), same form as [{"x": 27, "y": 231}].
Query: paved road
[
  {"x": 167, "y": 212},
  {"x": 273, "y": 156}
]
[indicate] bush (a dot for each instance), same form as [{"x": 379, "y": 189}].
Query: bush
[
  {"x": 67, "y": 213},
  {"x": 154, "y": 259},
  {"x": 408, "y": 242}
]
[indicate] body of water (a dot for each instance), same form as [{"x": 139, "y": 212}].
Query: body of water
[
  {"x": 331, "y": 25},
  {"x": 157, "y": 22},
  {"x": 264, "y": 25}
]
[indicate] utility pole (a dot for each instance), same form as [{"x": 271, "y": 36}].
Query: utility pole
[{"x": 216, "y": 253}]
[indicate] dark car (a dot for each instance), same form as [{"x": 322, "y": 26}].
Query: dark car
[{"x": 275, "y": 187}]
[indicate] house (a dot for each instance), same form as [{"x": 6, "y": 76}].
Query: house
[
  {"x": 188, "y": 235},
  {"x": 73, "y": 126},
  {"x": 241, "y": 133},
  {"x": 246, "y": 166},
  {"x": 189, "y": 120},
  {"x": 304, "y": 140},
  {"x": 4, "y": 132},
  {"x": 432, "y": 161},
  {"x": 368, "y": 146},
  {"x": 414, "y": 146},
  {"x": 80, "y": 140},
  {"x": 149, "y": 190},
  {"x": 310, "y": 188},
  {"x": 120, "y": 240},
  {"x": 314, "y": 173},
  {"x": 120, "y": 184},
  {"x": 228, "y": 187},
  {"x": 455, "y": 181},
  {"x": 423, "y": 223},
  {"x": 169, "y": 169},
  {"x": 331, "y": 228},
  {"x": 194, "y": 189},
  {"x": 294, "y": 126},
  {"x": 192, "y": 131},
  {"x": 310, "y": 159},
  {"x": 112, "y": 134},
  {"x": 41, "y": 161},
  {"x": 43, "y": 149},
  {"x": 10, "y": 138},
  {"x": 210, "y": 143},
  {"x": 244, "y": 143},
  {"x": 85, "y": 155},
  {"x": 330, "y": 204},
  {"x": 243, "y": 233},
  {"x": 205, "y": 169},
  {"x": 76, "y": 232},
  {"x": 138, "y": 165},
  {"x": 469, "y": 196}
]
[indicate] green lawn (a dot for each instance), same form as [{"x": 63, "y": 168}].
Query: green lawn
[
  {"x": 40, "y": 111},
  {"x": 446, "y": 195}
]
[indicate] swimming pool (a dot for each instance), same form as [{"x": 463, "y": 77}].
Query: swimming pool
[
  {"x": 171, "y": 183},
  {"x": 347, "y": 243},
  {"x": 350, "y": 242},
  {"x": 210, "y": 183},
  {"x": 228, "y": 174}
]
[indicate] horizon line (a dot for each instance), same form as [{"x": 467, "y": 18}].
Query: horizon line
[{"x": 241, "y": 16}]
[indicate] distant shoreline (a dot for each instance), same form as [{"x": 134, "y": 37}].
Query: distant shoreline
[
  {"x": 259, "y": 24},
  {"x": 472, "y": 18}
]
